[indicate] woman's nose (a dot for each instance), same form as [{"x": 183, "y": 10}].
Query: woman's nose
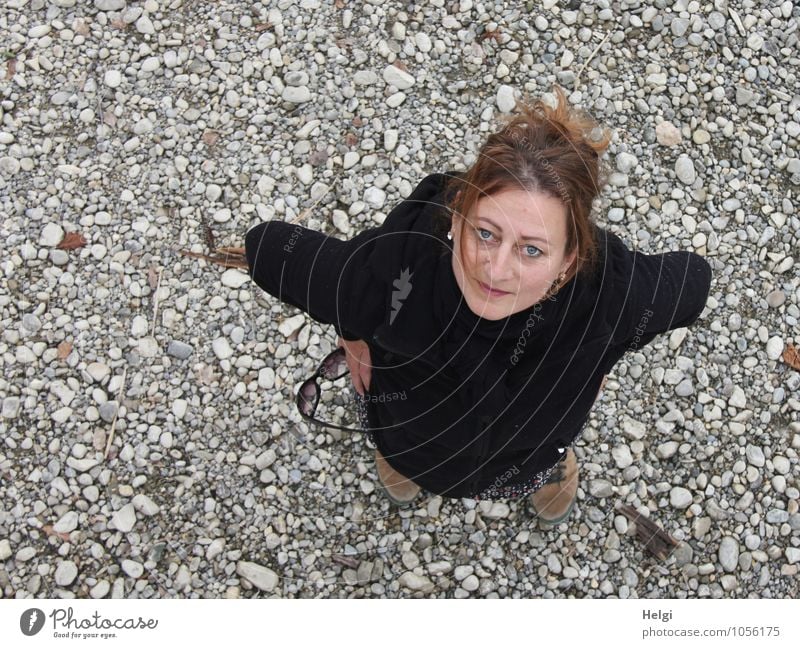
[{"x": 500, "y": 264}]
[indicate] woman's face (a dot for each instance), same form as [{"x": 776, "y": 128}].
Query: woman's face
[{"x": 513, "y": 242}]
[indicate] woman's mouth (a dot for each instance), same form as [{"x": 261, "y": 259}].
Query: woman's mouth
[{"x": 491, "y": 292}]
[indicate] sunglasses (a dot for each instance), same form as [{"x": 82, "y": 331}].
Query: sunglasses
[{"x": 332, "y": 367}]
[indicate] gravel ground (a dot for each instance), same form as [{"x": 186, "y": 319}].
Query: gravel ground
[{"x": 150, "y": 445}]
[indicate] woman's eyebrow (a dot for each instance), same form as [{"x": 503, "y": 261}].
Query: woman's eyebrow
[{"x": 522, "y": 238}]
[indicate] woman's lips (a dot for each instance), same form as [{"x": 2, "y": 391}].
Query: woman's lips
[{"x": 491, "y": 292}]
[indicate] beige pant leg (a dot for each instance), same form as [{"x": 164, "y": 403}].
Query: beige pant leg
[{"x": 602, "y": 384}]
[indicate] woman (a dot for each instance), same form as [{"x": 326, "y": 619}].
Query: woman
[{"x": 480, "y": 319}]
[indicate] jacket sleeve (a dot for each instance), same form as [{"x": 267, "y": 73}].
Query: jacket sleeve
[
  {"x": 660, "y": 292},
  {"x": 321, "y": 275}
]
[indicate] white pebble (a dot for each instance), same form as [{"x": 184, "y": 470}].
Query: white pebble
[
  {"x": 400, "y": 79},
  {"x": 774, "y": 348},
  {"x": 139, "y": 326},
  {"x": 222, "y": 349},
  {"x": 505, "y": 98},
  {"x": 684, "y": 169},
  {"x": 144, "y": 25},
  {"x": 51, "y": 235},
  {"x": 66, "y": 573},
  {"x": 292, "y": 324},
  {"x": 234, "y": 278},
  {"x": 143, "y": 504},
  {"x": 67, "y": 523},
  {"x": 680, "y": 498},
  {"x": 112, "y": 78},
  {"x": 261, "y": 577},
  {"x": 124, "y": 519}
]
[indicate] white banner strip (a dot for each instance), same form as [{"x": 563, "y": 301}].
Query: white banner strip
[{"x": 385, "y": 623}]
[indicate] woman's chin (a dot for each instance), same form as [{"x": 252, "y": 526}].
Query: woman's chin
[
  {"x": 494, "y": 308},
  {"x": 489, "y": 309}
]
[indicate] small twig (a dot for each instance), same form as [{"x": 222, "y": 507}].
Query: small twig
[
  {"x": 307, "y": 211},
  {"x": 587, "y": 61},
  {"x": 114, "y": 420},
  {"x": 155, "y": 307},
  {"x": 226, "y": 257}
]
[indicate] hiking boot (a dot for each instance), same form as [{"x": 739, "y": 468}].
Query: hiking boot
[
  {"x": 399, "y": 489},
  {"x": 553, "y": 502}
]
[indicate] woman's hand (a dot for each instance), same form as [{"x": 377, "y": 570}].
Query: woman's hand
[{"x": 358, "y": 361}]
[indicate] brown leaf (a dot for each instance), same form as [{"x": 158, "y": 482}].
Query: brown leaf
[
  {"x": 351, "y": 139},
  {"x": 63, "y": 350},
  {"x": 657, "y": 541},
  {"x": 791, "y": 356},
  {"x": 400, "y": 65},
  {"x": 48, "y": 529},
  {"x": 99, "y": 439},
  {"x": 339, "y": 4},
  {"x": 208, "y": 233},
  {"x": 109, "y": 118},
  {"x": 152, "y": 277},
  {"x": 81, "y": 27},
  {"x": 72, "y": 241},
  {"x": 493, "y": 34},
  {"x": 11, "y": 68},
  {"x": 358, "y": 122},
  {"x": 210, "y": 137},
  {"x": 260, "y": 27},
  {"x": 205, "y": 374}
]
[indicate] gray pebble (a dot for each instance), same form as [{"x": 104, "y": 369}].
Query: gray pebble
[
  {"x": 679, "y": 497},
  {"x": 261, "y": 577},
  {"x": 179, "y": 349},
  {"x": 66, "y": 573},
  {"x": 729, "y": 554}
]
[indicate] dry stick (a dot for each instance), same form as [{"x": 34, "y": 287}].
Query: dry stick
[
  {"x": 114, "y": 420},
  {"x": 234, "y": 257},
  {"x": 228, "y": 260},
  {"x": 591, "y": 56},
  {"x": 155, "y": 308}
]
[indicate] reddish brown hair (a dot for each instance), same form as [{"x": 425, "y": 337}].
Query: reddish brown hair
[{"x": 542, "y": 150}]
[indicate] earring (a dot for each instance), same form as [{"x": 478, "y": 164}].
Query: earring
[
  {"x": 554, "y": 287},
  {"x": 450, "y": 235}
]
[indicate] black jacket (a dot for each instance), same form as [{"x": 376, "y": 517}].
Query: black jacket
[{"x": 456, "y": 401}]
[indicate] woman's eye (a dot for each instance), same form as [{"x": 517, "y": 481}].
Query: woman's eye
[
  {"x": 530, "y": 254},
  {"x": 480, "y": 234}
]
